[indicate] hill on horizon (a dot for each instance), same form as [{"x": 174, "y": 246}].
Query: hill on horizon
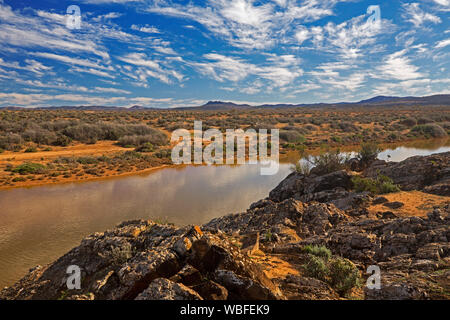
[{"x": 382, "y": 101}]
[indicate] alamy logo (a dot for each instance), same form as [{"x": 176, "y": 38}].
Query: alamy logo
[
  {"x": 236, "y": 142},
  {"x": 375, "y": 16},
  {"x": 74, "y": 280},
  {"x": 73, "y": 17},
  {"x": 374, "y": 280}
]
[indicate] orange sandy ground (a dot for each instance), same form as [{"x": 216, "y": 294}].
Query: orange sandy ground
[
  {"x": 416, "y": 203},
  {"x": 97, "y": 149}
]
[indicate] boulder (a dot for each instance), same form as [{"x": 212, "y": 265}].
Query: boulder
[
  {"x": 428, "y": 173},
  {"x": 164, "y": 289}
]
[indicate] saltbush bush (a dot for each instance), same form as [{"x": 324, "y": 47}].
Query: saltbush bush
[
  {"x": 380, "y": 185},
  {"x": 316, "y": 267},
  {"x": 29, "y": 168},
  {"x": 430, "y": 130},
  {"x": 340, "y": 273},
  {"x": 157, "y": 138},
  {"x": 319, "y": 251},
  {"x": 368, "y": 153},
  {"x": 328, "y": 162},
  {"x": 343, "y": 275}
]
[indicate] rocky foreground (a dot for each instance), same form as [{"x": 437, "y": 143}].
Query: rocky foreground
[{"x": 274, "y": 250}]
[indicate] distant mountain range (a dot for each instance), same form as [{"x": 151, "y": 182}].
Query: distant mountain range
[
  {"x": 438, "y": 100},
  {"x": 380, "y": 101}
]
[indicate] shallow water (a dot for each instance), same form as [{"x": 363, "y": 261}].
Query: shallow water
[{"x": 39, "y": 224}]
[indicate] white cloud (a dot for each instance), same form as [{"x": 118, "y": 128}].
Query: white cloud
[
  {"x": 70, "y": 60},
  {"x": 45, "y": 31},
  {"x": 278, "y": 70},
  {"x": 145, "y": 29},
  {"x": 351, "y": 39},
  {"x": 445, "y": 3},
  {"x": 30, "y": 65},
  {"x": 248, "y": 23},
  {"x": 92, "y": 71},
  {"x": 414, "y": 14},
  {"x": 108, "y": 16},
  {"x": 110, "y": 1},
  {"x": 302, "y": 34},
  {"x": 398, "y": 66},
  {"x": 149, "y": 68},
  {"x": 443, "y": 43},
  {"x": 330, "y": 74},
  {"x": 111, "y": 90}
]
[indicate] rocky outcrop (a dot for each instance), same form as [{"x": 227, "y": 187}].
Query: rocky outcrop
[
  {"x": 144, "y": 260},
  {"x": 261, "y": 253},
  {"x": 313, "y": 187},
  {"x": 430, "y": 174}
]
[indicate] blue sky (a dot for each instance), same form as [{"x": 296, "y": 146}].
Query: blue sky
[{"x": 159, "y": 53}]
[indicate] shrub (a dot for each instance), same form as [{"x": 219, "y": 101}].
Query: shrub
[
  {"x": 29, "y": 168},
  {"x": 368, "y": 153},
  {"x": 157, "y": 138},
  {"x": 408, "y": 122},
  {"x": 120, "y": 254},
  {"x": 146, "y": 147},
  {"x": 86, "y": 133},
  {"x": 424, "y": 120},
  {"x": 62, "y": 140},
  {"x": 328, "y": 162},
  {"x": 19, "y": 179},
  {"x": 30, "y": 149},
  {"x": 430, "y": 130},
  {"x": 292, "y": 136},
  {"x": 339, "y": 273},
  {"x": 163, "y": 153},
  {"x": 87, "y": 160},
  {"x": 316, "y": 268},
  {"x": 302, "y": 168},
  {"x": 382, "y": 184},
  {"x": 318, "y": 251},
  {"x": 10, "y": 141},
  {"x": 40, "y": 136},
  {"x": 348, "y": 127},
  {"x": 343, "y": 275}
]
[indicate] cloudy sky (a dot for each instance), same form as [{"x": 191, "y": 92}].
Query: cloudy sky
[{"x": 162, "y": 53}]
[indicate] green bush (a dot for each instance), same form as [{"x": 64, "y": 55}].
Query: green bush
[
  {"x": 343, "y": 275},
  {"x": 316, "y": 268},
  {"x": 340, "y": 273},
  {"x": 10, "y": 141},
  {"x": 292, "y": 136},
  {"x": 409, "y": 122},
  {"x": 163, "y": 153},
  {"x": 19, "y": 179},
  {"x": 318, "y": 251},
  {"x": 430, "y": 130},
  {"x": 30, "y": 149},
  {"x": 146, "y": 147},
  {"x": 328, "y": 162},
  {"x": 87, "y": 160},
  {"x": 157, "y": 138},
  {"x": 29, "y": 168},
  {"x": 382, "y": 184},
  {"x": 368, "y": 153}
]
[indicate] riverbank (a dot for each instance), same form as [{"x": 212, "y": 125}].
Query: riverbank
[{"x": 313, "y": 237}]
